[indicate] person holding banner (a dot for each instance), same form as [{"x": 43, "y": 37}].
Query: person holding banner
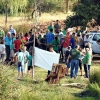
[{"x": 50, "y": 49}]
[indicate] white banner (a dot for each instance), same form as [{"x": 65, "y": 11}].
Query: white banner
[{"x": 45, "y": 59}]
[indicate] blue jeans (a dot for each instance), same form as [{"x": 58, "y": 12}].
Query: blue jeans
[
  {"x": 74, "y": 68},
  {"x": 68, "y": 64},
  {"x": 87, "y": 70}
]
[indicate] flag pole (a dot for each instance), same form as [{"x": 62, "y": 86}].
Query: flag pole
[{"x": 34, "y": 31}]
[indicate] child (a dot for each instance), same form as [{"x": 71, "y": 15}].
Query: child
[
  {"x": 80, "y": 60},
  {"x": 2, "y": 50},
  {"x": 21, "y": 57},
  {"x": 29, "y": 62},
  {"x": 87, "y": 63}
]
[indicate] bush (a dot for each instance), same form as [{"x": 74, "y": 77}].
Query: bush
[
  {"x": 9, "y": 90},
  {"x": 94, "y": 90},
  {"x": 95, "y": 77}
]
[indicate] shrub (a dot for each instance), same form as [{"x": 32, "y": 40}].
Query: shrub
[
  {"x": 94, "y": 90},
  {"x": 95, "y": 77},
  {"x": 9, "y": 90}
]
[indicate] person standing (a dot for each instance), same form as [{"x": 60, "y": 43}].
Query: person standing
[
  {"x": 2, "y": 34},
  {"x": 50, "y": 26},
  {"x": 20, "y": 64},
  {"x": 87, "y": 62},
  {"x": 74, "y": 54},
  {"x": 17, "y": 44},
  {"x": 50, "y": 36},
  {"x": 12, "y": 47},
  {"x": 65, "y": 45},
  {"x": 56, "y": 43},
  {"x": 12, "y": 30},
  {"x": 50, "y": 49},
  {"x": 30, "y": 62},
  {"x": 72, "y": 41},
  {"x": 26, "y": 54},
  {"x": 57, "y": 27},
  {"x": 7, "y": 40},
  {"x": 43, "y": 43},
  {"x": 2, "y": 50},
  {"x": 86, "y": 39},
  {"x": 68, "y": 63}
]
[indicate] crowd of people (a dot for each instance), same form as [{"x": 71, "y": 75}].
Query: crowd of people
[{"x": 72, "y": 44}]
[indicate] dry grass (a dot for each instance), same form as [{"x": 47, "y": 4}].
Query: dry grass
[{"x": 44, "y": 18}]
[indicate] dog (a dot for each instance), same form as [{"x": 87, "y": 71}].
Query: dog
[{"x": 58, "y": 72}]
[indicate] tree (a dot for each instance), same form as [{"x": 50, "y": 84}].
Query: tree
[{"x": 87, "y": 9}]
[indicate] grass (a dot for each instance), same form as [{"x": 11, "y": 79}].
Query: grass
[
  {"x": 45, "y": 17},
  {"x": 28, "y": 89},
  {"x": 23, "y": 24}
]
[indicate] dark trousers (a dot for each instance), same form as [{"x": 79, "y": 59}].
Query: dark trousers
[
  {"x": 7, "y": 52},
  {"x": 60, "y": 51},
  {"x": 80, "y": 64},
  {"x": 87, "y": 70}
]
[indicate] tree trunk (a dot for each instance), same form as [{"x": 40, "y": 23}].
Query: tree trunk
[
  {"x": 67, "y": 5},
  {"x": 6, "y": 13}
]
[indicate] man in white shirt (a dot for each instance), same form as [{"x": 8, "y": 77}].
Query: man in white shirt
[
  {"x": 12, "y": 30},
  {"x": 86, "y": 39}
]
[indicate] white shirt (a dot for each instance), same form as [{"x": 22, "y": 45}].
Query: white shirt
[
  {"x": 2, "y": 48},
  {"x": 86, "y": 40}
]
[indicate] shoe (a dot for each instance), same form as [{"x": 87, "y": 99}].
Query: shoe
[
  {"x": 18, "y": 78},
  {"x": 63, "y": 61},
  {"x": 74, "y": 76}
]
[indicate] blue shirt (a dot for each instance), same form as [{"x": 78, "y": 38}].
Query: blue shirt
[
  {"x": 49, "y": 37},
  {"x": 72, "y": 42},
  {"x": 11, "y": 43},
  {"x": 7, "y": 40}
]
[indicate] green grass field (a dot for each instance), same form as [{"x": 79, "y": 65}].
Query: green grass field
[{"x": 38, "y": 89}]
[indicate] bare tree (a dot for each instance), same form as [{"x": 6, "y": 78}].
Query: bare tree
[
  {"x": 6, "y": 12},
  {"x": 67, "y": 5}
]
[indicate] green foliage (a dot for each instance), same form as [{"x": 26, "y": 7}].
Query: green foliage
[
  {"x": 27, "y": 89},
  {"x": 17, "y": 5},
  {"x": 76, "y": 20},
  {"x": 51, "y": 5},
  {"x": 9, "y": 90},
  {"x": 94, "y": 90},
  {"x": 27, "y": 6},
  {"x": 86, "y": 10},
  {"x": 95, "y": 77}
]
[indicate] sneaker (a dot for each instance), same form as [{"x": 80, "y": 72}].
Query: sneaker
[
  {"x": 74, "y": 76},
  {"x": 18, "y": 78},
  {"x": 63, "y": 61}
]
